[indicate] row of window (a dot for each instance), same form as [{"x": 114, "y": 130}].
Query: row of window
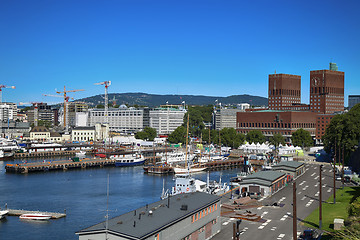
[
  {"x": 278, "y": 125},
  {"x": 203, "y": 213}
]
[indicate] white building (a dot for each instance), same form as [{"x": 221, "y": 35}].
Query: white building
[
  {"x": 166, "y": 120},
  {"x": 81, "y": 119},
  {"x": 6, "y": 112},
  {"x": 83, "y": 134},
  {"x": 122, "y": 119}
]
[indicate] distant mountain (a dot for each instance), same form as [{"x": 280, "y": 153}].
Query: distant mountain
[{"x": 153, "y": 100}]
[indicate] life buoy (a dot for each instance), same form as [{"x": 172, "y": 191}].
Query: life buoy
[{"x": 187, "y": 189}]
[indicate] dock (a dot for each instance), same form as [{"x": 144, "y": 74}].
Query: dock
[
  {"x": 15, "y": 212},
  {"x": 211, "y": 166},
  {"x": 58, "y": 165}
]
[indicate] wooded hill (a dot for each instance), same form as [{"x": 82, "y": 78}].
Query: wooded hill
[{"x": 153, "y": 100}]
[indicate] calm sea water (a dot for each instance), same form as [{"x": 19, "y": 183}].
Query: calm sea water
[{"x": 82, "y": 193}]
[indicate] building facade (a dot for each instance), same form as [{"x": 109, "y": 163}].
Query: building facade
[
  {"x": 271, "y": 122},
  {"x": 122, "y": 119},
  {"x": 353, "y": 100},
  {"x": 74, "y": 109},
  {"x": 83, "y": 134},
  {"x": 326, "y": 91},
  {"x": 225, "y": 117},
  {"x": 166, "y": 120},
  {"x": 284, "y": 91}
]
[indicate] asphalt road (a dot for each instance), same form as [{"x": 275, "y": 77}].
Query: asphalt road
[{"x": 279, "y": 220}]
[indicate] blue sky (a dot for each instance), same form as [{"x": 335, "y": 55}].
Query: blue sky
[{"x": 200, "y": 47}]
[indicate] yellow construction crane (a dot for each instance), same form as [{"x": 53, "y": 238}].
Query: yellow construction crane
[{"x": 66, "y": 99}]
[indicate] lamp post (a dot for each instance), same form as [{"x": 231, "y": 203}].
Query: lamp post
[{"x": 294, "y": 212}]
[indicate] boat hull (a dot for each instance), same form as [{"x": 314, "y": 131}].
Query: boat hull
[
  {"x": 39, "y": 217},
  {"x": 128, "y": 164},
  {"x": 185, "y": 170}
]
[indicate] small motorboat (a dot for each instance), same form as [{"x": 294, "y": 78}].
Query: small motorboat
[
  {"x": 3, "y": 213},
  {"x": 35, "y": 216}
]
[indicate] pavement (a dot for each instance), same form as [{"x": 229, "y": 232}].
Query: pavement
[{"x": 278, "y": 221}]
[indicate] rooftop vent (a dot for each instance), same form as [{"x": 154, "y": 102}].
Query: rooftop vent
[{"x": 184, "y": 207}]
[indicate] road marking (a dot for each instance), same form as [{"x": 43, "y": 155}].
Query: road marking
[
  {"x": 264, "y": 213},
  {"x": 317, "y": 194},
  {"x": 259, "y": 208},
  {"x": 316, "y": 177},
  {"x": 264, "y": 224},
  {"x": 305, "y": 187},
  {"x": 313, "y": 174},
  {"x": 273, "y": 228},
  {"x": 329, "y": 190},
  {"x": 281, "y": 236},
  {"x": 324, "y": 185},
  {"x": 282, "y": 199},
  {"x": 299, "y": 193},
  {"x": 302, "y": 183},
  {"x": 317, "y": 184},
  {"x": 309, "y": 203},
  {"x": 284, "y": 217},
  {"x": 323, "y": 178},
  {"x": 303, "y": 198}
]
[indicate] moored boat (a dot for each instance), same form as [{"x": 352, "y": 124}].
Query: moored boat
[
  {"x": 35, "y": 216},
  {"x": 129, "y": 160},
  {"x": 3, "y": 213}
]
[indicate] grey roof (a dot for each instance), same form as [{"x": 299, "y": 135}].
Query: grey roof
[
  {"x": 161, "y": 216},
  {"x": 291, "y": 164},
  {"x": 256, "y": 182},
  {"x": 84, "y": 128},
  {"x": 39, "y": 129},
  {"x": 266, "y": 175},
  {"x": 55, "y": 134}
]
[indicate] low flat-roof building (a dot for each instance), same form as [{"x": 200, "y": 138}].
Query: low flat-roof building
[
  {"x": 292, "y": 168},
  {"x": 265, "y": 182},
  {"x": 184, "y": 216}
]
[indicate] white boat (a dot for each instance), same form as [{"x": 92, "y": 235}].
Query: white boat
[
  {"x": 3, "y": 213},
  {"x": 35, "y": 216},
  {"x": 174, "y": 157},
  {"x": 180, "y": 170},
  {"x": 128, "y": 160},
  {"x": 80, "y": 154}
]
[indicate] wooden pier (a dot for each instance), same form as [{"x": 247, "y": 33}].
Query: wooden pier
[
  {"x": 212, "y": 166},
  {"x": 58, "y": 165},
  {"x": 15, "y": 212}
]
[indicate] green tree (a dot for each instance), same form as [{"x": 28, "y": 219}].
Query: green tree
[
  {"x": 100, "y": 106},
  {"x": 277, "y": 139},
  {"x": 147, "y": 134},
  {"x": 302, "y": 138},
  {"x": 255, "y": 136},
  {"x": 230, "y": 138},
  {"x": 344, "y": 130},
  {"x": 178, "y": 135}
]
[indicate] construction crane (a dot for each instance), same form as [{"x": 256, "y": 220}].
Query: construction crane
[
  {"x": 36, "y": 110},
  {"x": 66, "y": 100},
  {"x": 4, "y": 86},
  {"x": 107, "y": 84}
]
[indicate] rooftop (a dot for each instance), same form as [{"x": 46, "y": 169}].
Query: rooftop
[
  {"x": 266, "y": 175},
  {"x": 292, "y": 164},
  {"x": 145, "y": 221}
]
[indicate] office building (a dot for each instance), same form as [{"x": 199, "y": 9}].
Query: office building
[
  {"x": 122, "y": 119},
  {"x": 326, "y": 91},
  {"x": 284, "y": 91},
  {"x": 353, "y": 100},
  {"x": 166, "y": 119}
]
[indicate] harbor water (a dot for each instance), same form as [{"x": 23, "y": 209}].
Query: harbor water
[{"x": 82, "y": 193}]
